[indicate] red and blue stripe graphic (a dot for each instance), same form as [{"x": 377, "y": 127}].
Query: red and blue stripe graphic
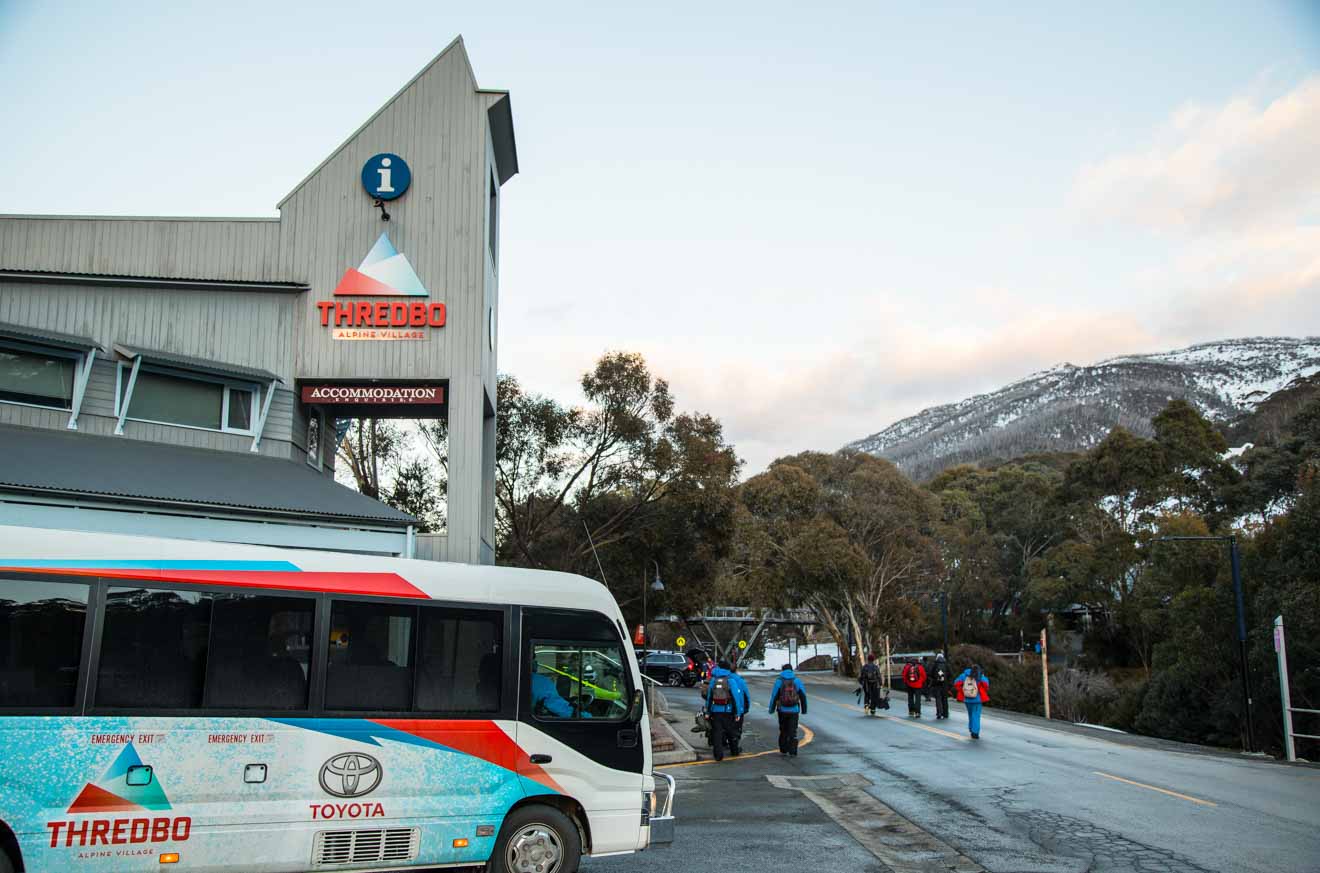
[
  {"x": 279, "y": 575},
  {"x": 481, "y": 739}
]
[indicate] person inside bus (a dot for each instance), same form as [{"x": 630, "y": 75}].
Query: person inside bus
[{"x": 546, "y": 699}]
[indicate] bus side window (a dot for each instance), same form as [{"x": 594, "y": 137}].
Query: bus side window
[
  {"x": 41, "y": 636},
  {"x": 371, "y": 664},
  {"x": 461, "y": 661},
  {"x": 153, "y": 648},
  {"x": 259, "y": 652}
]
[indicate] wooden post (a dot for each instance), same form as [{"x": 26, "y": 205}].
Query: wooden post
[{"x": 1045, "y": 669}]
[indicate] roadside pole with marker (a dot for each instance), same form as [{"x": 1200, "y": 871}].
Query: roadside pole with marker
[{"x": 1045, "y": 668}]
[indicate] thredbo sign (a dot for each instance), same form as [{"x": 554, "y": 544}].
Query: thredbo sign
[{"x": 384, "y": 272}]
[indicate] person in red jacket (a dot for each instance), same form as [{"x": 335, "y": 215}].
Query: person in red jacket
[
  {"x": 968, "y": 679},
  {"x": 914, "y": 677}
]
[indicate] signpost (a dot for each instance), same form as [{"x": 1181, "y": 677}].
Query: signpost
[
  {"x": 1045, "y": 669},
  {"x": 680, "y": 642}
]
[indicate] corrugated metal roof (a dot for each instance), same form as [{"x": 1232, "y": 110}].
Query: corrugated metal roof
[
  {"x": 199, "y": 365},
  {"x": 74, "y": 464},
  {"x": 47, "y": 337}
]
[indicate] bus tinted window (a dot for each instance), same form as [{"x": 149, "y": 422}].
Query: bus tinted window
[
  {"x": 579, "y": 680},
  {"x": 371, "y": 647},
  {"x": 41, "y": 634},
  {"x": 460, "y": 666},
  {"x": 153, "y": 648},
  {"x": 259, "y": 652}
]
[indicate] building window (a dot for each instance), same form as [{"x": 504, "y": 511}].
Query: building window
[
  {"x": 38, "y": 378},
  {"x": 493, "y": 218},
  {"x": 171, "y": 398},
  {"x": 41, "y": 631},
  {"x": 314, "y": 439}
]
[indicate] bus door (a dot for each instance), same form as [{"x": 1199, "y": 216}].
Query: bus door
[{"x": 574, "y": 722}]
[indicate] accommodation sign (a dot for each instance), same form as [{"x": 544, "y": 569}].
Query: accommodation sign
[{"x": 369, "y": 395}]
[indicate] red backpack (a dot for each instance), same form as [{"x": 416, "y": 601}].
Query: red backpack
[{"x": 788, "y": 694}]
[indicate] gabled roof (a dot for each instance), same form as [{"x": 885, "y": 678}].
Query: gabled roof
[
  {"x": 78, "y": 465},
  {"x": 504, "y": 137}
]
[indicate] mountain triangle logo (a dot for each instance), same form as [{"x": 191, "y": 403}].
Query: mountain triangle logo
[
  {"x": 383, "y": 273},
  {"x": 112, "y": 793}
]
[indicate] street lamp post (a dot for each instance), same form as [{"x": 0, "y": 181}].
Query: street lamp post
[
  {"x": 656, "y": 585},
  {"x": 1241, "y": 623}
]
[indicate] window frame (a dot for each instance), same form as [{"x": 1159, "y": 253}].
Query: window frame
[
  {"x": 104, "y": 584},
  {"x": 507, "y": 705},
  {"x": 508, "y": 618},
  {"x": 229, "y": 386},
  {"x": 79, "y": 361},
  {"x": 314, "y": 461},
  {"x": 533, "y": 642},
  {"x": 89, "y": 622}
]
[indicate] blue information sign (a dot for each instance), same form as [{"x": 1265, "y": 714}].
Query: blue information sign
[{"x": 386, "y": 176}]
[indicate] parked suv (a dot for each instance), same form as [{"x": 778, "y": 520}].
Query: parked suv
[{"x": 670, "y": 668}]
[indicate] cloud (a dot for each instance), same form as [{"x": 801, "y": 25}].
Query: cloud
[{"x": 1243, "y": 164}]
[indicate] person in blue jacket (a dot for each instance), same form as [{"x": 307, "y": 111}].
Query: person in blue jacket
[
  {"x": 547, "y": 701},
  {"x": 969, "y": 680},
  {"x": 789, "y": 699},
  {"x": 744, "y": 694},
  {"x": 724, "y": 707}
]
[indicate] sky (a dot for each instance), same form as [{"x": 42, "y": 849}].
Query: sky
[{"x": 812, "y": 219}]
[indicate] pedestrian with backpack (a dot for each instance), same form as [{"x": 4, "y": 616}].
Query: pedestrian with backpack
[
  {"x": 973, "y": 688},
  {"x": 914, "y": 677},
  {"x": 939, "y": 685},
  {"x": 870, "y": 686},
  {"x": 789, "y": 699},
  {"x": 744, "y": 695},
  {"x": 724, "y": 707}
]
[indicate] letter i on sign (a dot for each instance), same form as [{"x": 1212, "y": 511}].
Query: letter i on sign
[{"x": 385, "y": 172}]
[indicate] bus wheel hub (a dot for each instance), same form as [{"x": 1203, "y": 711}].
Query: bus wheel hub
[{"x": 535, "y": 850}]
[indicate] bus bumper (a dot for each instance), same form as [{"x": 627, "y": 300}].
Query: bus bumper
[{"x": 661, "y": 820}]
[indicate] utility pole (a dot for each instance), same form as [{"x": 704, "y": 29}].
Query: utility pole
[
  {"x": 1045, "y": 668},
  {"x": 944, "y": 620},
  {"x": 1241, "y": 627}
]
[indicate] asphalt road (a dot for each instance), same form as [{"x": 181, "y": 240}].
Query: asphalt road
[{"x": 888, "y": 793}]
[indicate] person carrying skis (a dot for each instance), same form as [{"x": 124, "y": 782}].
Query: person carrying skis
[{"x": 870, "y": 686}]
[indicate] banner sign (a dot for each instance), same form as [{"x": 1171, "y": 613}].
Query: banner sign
[{"x": 368, "y": 395}]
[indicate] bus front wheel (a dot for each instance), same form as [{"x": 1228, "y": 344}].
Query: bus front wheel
[{"x": 537, "y": 839}]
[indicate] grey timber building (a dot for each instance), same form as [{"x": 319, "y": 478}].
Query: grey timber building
[{"x": 183, "y": 377}]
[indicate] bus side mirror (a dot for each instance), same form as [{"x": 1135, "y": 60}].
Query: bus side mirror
[{"x": 637, "y": 707}]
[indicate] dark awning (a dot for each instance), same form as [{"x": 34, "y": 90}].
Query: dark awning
[
  {"x": 197, "y": 365},
  {"x": 78, "y": 465},
  {"x": 48, "y": 338}
]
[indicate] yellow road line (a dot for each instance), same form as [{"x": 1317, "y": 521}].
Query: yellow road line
[
  {"x": 1153, "y": 788},
  {"x": 909, "y": 722},
  {"x": 807, "y": 737}
]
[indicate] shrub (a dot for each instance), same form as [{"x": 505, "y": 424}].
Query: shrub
[{"x": 1081, "y": 695}]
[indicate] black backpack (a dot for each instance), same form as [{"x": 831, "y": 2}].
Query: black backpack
[
  {"x": 870, "y": 674},
  {"x": 719, "y": 691}
]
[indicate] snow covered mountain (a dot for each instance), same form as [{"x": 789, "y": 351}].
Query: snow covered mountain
[{"x": 1068, "y": 408}]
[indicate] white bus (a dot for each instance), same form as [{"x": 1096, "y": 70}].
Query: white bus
[{"x": 239, "y": 708}]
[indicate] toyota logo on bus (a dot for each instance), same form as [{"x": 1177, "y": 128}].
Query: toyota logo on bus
[{"x": 351, "y": 774}]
